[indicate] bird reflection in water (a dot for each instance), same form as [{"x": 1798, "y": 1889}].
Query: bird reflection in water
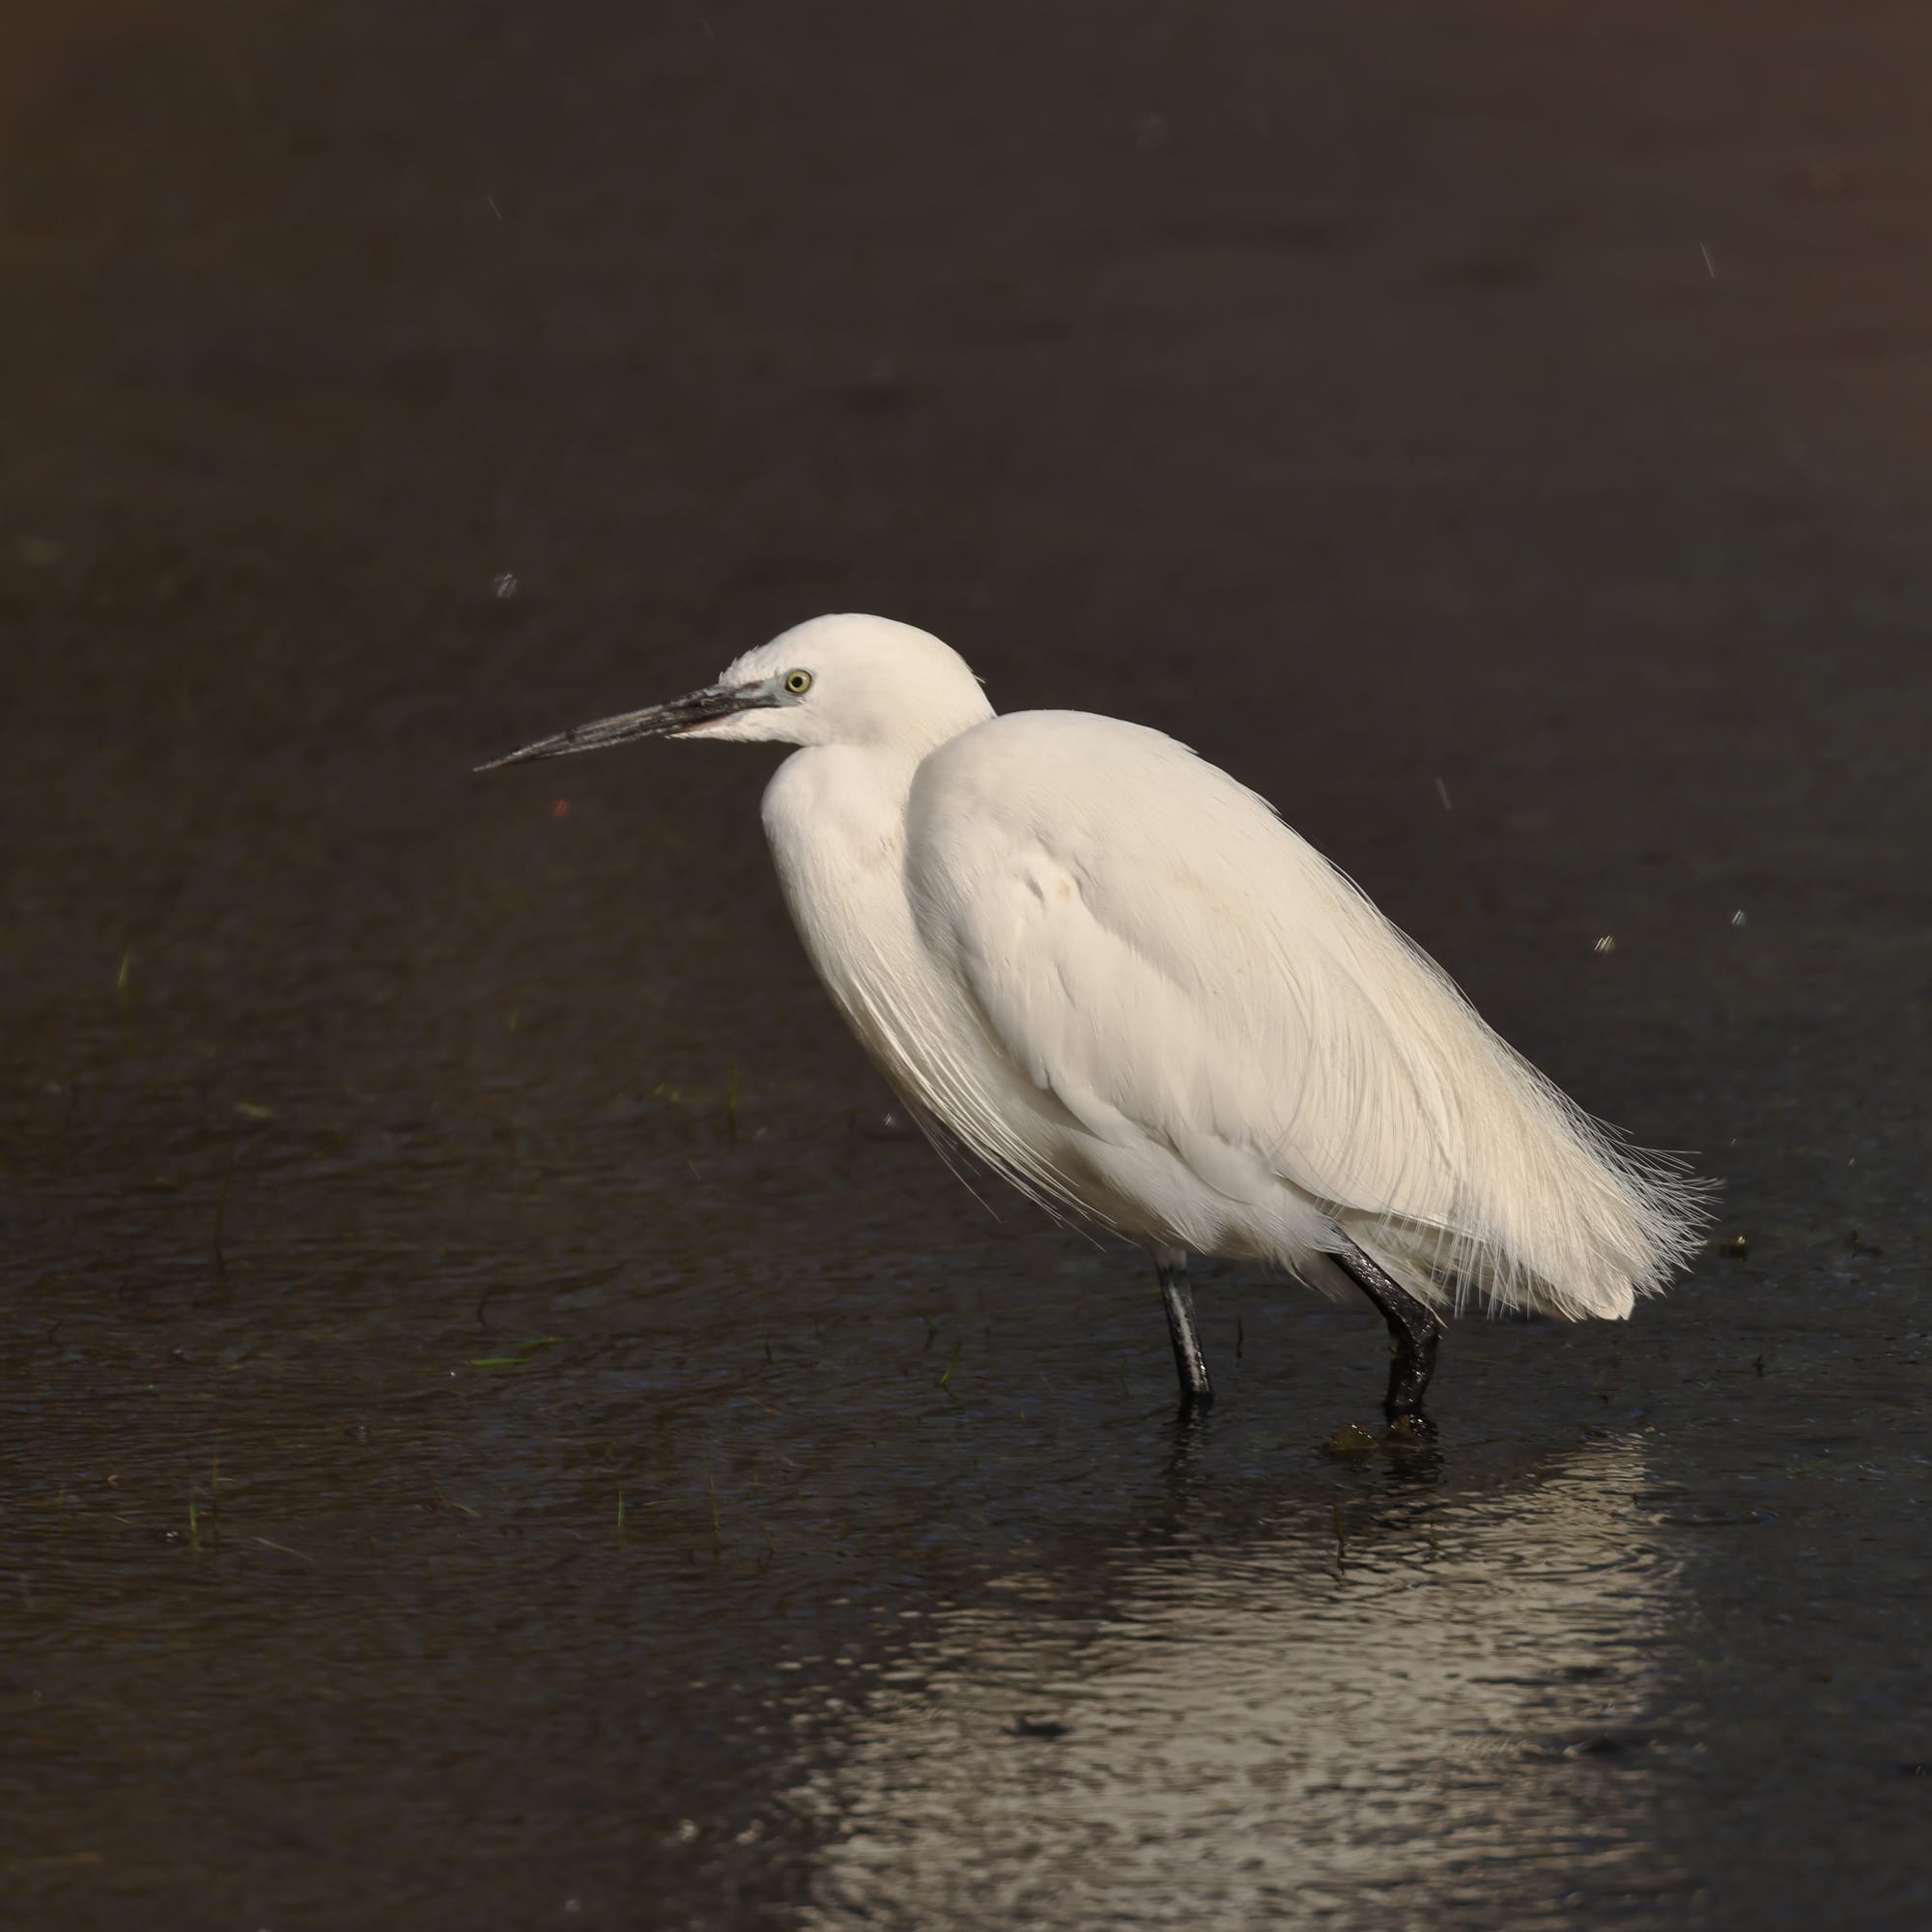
[{"x": 1436, "y": 1706}]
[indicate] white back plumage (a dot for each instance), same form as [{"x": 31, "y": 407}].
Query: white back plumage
[{"x": 1150, "y": 942}]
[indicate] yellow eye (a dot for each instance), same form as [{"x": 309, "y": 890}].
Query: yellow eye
[{"x": 798, "y": 682}]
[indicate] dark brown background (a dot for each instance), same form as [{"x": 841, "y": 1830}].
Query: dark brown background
[{"x": 1396, "y": 402}]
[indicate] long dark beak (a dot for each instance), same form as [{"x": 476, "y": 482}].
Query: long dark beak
[{"x": 656, "y": 721}]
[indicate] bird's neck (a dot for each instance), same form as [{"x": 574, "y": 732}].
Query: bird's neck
[
  {"x": 845, "y": 799},
  {"x": 836, "y": 816}
]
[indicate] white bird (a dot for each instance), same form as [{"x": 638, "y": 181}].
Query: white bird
[{"x": 1111, "y": 973}]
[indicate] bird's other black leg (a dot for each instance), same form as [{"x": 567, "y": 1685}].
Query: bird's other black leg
[
  {"x": 1413, "y": 1332},
  {"x": 1189, "y": 1363}
]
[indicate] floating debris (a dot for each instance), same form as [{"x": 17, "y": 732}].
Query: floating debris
[
  {"x": 1350, "y": 1443},
  {"x": 520, "y": 1356},
  {"x": 1037, "y": 1727}
]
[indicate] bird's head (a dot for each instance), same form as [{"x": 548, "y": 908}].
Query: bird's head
[{"x": 843, "y": 680}]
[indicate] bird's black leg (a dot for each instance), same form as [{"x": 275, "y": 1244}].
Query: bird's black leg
[
  {"x": 1189, "y": 1363},
  {"x": 1413, "y": 1332}
]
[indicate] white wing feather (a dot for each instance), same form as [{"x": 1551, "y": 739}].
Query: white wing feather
[{"x": 1155, "y": 949}]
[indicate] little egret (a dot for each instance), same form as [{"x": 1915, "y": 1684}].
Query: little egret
[{"x": 1114, "y": 974}]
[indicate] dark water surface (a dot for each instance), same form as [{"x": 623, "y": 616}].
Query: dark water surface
[{"x": 492, "y": 1431}]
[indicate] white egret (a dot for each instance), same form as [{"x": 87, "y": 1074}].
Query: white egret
[{"x": 1114, "y": 974}]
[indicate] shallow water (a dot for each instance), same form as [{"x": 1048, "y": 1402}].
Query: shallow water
[{"x": 494, "y": 1430}]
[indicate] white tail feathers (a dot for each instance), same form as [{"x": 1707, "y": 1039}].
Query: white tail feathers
[{"x": 1550, "y": 1210}]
